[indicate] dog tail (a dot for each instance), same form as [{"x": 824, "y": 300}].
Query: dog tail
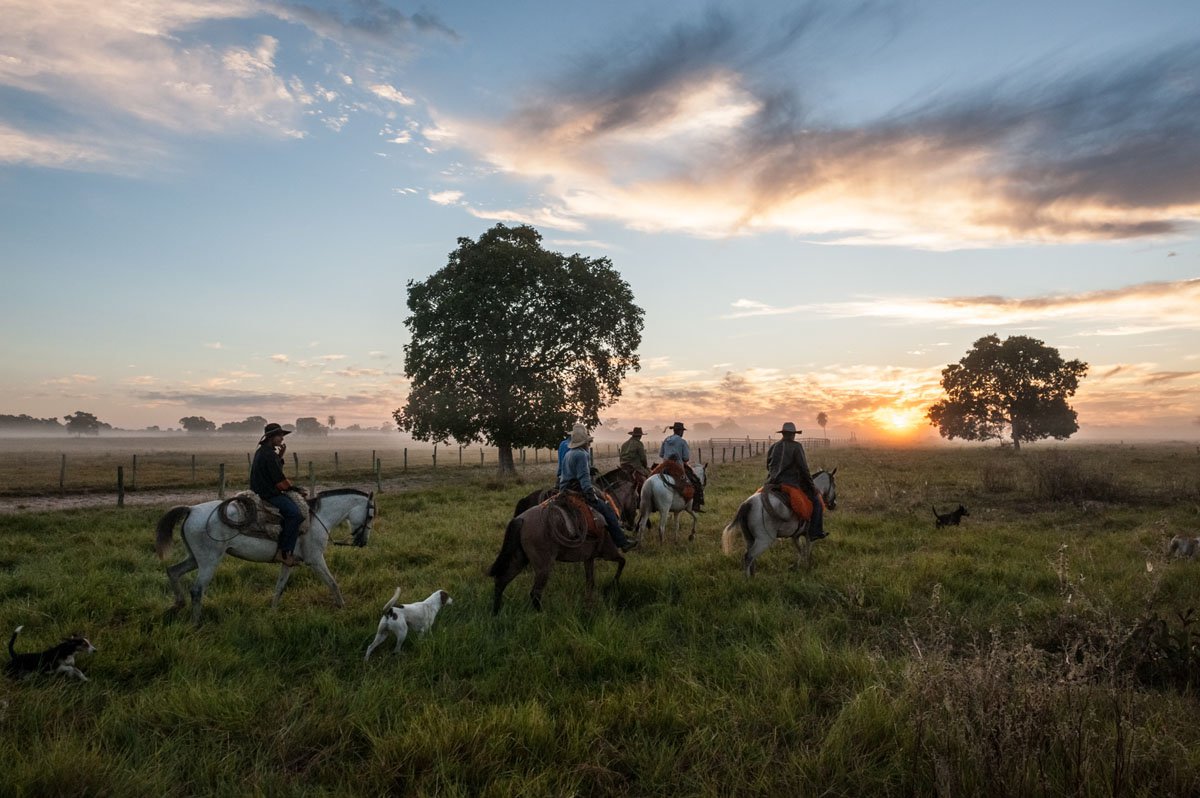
[
  {"x": 738, "y": 524},
  {"x": 166, "y": 529},
  {"x": 12, "y": 640},
  {"x": 512, "y": 543},
  {"x": 392, "y": 601}
]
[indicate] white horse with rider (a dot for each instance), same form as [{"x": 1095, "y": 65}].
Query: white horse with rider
[{"x": 664, "y": 494}]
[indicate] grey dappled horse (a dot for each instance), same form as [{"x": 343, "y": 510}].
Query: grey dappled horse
[{"x": 762, "y": 524}]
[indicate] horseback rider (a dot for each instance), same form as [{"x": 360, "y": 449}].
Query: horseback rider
[
  {"x": 633, "y": 458},
  {"x": 576, "y": 475},
  {"x": 787, "y": 465},
  {"x": 674, "y": 447},
  {"x": 269, "y": 482}
]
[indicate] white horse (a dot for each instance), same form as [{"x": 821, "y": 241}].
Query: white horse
[
  {"x": 659, "y": 496},
  {"x": 208, "y": 539},
  {"x": 762, "y": 520}
]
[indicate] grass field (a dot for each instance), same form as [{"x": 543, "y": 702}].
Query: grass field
[{"x": 1044, "y": 647}]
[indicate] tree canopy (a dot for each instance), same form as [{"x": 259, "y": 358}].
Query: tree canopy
[
  {"x": 512, "y": 344},
  {"x": 197, "y": 424},
  {"x": 81, "y": 423},
  {"x": 1019, "y": 385}
]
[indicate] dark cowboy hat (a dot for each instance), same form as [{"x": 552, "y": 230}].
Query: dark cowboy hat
[
  {"x": 637, "y": 432},
  {"x": 273, "y": 429},
  {"x": 678, "y": 427},
  {"x": 790, "y": 427}
]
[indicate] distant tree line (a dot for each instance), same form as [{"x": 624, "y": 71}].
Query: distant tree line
[{"x": 24, "y": 423}]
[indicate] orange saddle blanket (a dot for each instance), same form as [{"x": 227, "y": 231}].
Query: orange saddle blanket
[
  {"x": 674, "y": 470},
  {"x": 797, "y": 500}
]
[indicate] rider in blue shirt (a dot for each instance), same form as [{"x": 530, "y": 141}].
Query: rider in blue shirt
[
  {"x": 674, "y": 447},
  {"x": 576, "y": 474}
]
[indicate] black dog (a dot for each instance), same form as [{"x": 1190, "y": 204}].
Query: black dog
[
  {"x": 59, "y": 659},
  {"x": 951, "y": 518}
]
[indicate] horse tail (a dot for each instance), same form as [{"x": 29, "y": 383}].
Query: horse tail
[
  {"x": 511, "y": 545},
  {"x": 166, "y": 528},
  {"x": 738, "y": 524}
]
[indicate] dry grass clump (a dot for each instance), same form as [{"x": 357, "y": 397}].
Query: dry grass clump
[{"x": 1060, "y": 476}]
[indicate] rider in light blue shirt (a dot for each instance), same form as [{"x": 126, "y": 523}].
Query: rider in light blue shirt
[
  {"x": 674, "y": 447},
  {"x": 576, "y": 474}
]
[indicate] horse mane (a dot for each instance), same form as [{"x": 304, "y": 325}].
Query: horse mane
[{"x": 340, "y": 492}]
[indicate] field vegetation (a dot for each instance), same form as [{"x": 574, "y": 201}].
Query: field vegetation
[{"x": 1043, "y": 647}]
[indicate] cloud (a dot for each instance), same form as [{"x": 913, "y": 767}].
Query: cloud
[
  {"x": 373, "y": 24},
  {"x": 1140, "y": 308},
  {"x": 696, "y": 129},
  {"x": 281, "y": 358},
  {"x": 391, "y": 94},
  {"x": 445, "y": 197}
]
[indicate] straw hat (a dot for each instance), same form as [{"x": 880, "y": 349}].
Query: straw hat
[{"x": 579, "y": 437}]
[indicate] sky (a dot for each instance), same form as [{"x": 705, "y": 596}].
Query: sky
[{"x": 213, "y": 207}]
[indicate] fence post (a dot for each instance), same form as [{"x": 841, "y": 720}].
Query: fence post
[
  {"x": 249, "y": 463},
  {"x": 435, "y": 455},
  {"x": 460, "y": 456},
  {"x": 193, "y": 469},
  {"x": 312, "y": 482},
  {"x": 378, "y": 478},
  {"x": 120, "y": 486},
  {"x": 221, "y": 483},
  {"x": 406, "y": 459},
  {"x": 481, "y": 457},
  {"x": 296, "y": 465},
  {"x": 133, "y": 476},
  {"x": 335, "y": 463},
  {"x": 722, "y": 454},
  {"x": 62, "y": 476}
]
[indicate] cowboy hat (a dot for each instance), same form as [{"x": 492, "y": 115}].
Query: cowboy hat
[
  {"x": 579, "y": 437},
  {"x": 678, "y": 427},
  {"x": 273, "y": 429},
  {"x": 790, "y": 427},
  {"x": 637, "y": 432}
]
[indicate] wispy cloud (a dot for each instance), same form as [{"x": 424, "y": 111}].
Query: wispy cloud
[
  {"x": 391, "y": 94},
  {"x": 1134, "y": 309},
  {"x": 695, "y": 130}
]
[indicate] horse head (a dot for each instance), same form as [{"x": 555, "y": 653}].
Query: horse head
[
  {"x": 699, "y": 470},
  {"x": 362, "y": 525},
  {"x": 828, "y": 486}
]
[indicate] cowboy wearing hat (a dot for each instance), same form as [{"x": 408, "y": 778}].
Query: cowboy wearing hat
[
  {"x": 633, "y": 454},
  {"x": 576, "y": 474},
  {"x": 787, "y": 465},
  {"x": 269, "y": 482},
  {"x": 674, "y": 447}
]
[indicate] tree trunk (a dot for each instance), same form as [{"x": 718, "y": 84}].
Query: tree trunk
[
  {"x": 1016, "y": 443},
  {"x": 506, "y": 458}
]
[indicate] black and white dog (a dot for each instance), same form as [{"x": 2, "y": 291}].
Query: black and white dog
[
  {"x": 398, "y": 619},
  {"x": 58, "y": 659},
  {"x": 951, "y": 518}
]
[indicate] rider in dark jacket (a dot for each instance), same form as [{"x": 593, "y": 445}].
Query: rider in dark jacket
[
  {"x": 787, "y": 465},
  {"x": 269, "y": 482}
]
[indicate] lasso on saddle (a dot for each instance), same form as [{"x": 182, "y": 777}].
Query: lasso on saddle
[{"x": 250, "y": 515}]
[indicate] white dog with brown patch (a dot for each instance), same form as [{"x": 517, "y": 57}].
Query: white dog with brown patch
[
  {"x": 399, "y": 619},
  {"x": 1186, "y": 548}
]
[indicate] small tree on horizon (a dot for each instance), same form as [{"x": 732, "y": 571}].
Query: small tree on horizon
[
  {"x": 81, "y": 423},
  {"x": 1019, "y": 385},
  {"x": 511, "y": 344},
  {"x": 197, "y": 424},
  {"x": 822, "y": 420}
]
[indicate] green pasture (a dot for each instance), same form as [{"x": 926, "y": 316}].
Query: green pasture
[{"x": 1044, "y": 647}]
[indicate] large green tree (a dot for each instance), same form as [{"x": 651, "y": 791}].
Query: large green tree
[
  {"x": 512, "y": 344},
  {"x": 1019, "y": 385}
]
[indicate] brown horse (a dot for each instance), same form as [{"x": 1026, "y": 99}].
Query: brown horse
[{"x": 542, "y": 535}]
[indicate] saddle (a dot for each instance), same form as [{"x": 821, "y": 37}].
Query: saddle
[
  {"x": 792, "y": 496},
  {"x": 680, "y": 483},
  {"x": 578, "y": 513},
  {"x": 255, "y": 518}
]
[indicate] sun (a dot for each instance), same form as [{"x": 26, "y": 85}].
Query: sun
[{"x": 898, "y": 422}]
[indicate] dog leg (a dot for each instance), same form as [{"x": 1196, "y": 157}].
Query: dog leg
[{"x": 380, "y": 636}]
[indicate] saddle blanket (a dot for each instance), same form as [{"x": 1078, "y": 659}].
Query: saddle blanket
[
  {"x": 585, "y": 518},
  {"x": 796, "y": 498},
  {"x": 674, "y": 469}
]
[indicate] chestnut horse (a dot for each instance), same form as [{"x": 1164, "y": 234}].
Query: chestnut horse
[{"x": 539, "y": 536}]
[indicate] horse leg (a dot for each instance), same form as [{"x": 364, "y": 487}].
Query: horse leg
[
  {"x": 202, "y": 579},
  {"x": 540, "y": 577},
  {"x": 803, "y": 552},
  {"x": 760, "y": 544},
  {"x": 319, "y": 565},
  {"x": 515, "y": 565},
  {"x": 176, "y": 571},
  {"x": 589, "y": 580},
  {"x": 692, "y": 513}
]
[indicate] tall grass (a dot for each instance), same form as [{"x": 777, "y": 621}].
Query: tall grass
[{"x": 1015, "y": 654}]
